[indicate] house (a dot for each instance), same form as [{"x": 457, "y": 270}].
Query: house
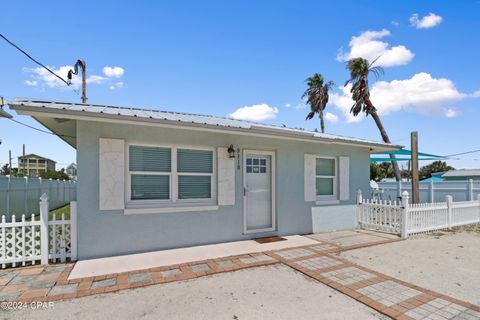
[
  {"x": 33, "y": 165},
  {"x": 462, "y": 174},
  {"x": 151, "y": 180},
  {"x": 435, "y": 177},
  {"x": 71, "y": 171}
]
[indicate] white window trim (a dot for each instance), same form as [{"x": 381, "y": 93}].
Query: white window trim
[
  {"x": 327, "y": 199},
  {"x": 173, "y": 204}
]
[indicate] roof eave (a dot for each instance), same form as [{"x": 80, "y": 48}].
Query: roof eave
[{"x": 24, "y": 109}]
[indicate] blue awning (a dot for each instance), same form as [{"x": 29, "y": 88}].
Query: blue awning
[{"x": 406, "y": 155}]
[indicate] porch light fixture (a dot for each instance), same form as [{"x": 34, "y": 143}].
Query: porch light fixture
[{"x": 231, "y": 151}]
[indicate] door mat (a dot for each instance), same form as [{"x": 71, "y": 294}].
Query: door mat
[{"x": 269, "y": 239}]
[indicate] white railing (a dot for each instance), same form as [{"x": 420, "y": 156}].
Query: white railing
[
  {"x": 407, "y": 219},
  {"x": 381, "y": 215},
  {"x": 39, "y": 239}
]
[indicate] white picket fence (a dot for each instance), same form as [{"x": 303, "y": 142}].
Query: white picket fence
[
  {"x": 406, "y": 219},
  {"x": 39, "y": 240}
]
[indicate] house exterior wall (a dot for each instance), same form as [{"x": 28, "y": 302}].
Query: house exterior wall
[{"x": 108, "y": 233}]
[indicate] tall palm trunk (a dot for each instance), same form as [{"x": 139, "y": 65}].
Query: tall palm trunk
[
  {"x": 322, "y": 123},
  {"x": 373, "y": 112}
]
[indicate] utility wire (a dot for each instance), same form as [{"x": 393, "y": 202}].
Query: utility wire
[
  {"x": 459, "y": 154},
  {"x": 44, "y": 131},
  {"x": 34, "y": 60}
]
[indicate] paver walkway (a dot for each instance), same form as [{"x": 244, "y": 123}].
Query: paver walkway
[{"x": 392, "y": 297}]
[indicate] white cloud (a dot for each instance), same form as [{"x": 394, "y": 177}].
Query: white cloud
[
  {"x": 395, "y": 23},
  {"x": 429, "y": 21},
  {"x": 452, "y": 113},
  {"x": 113, "y": 72},
  {"x": 31, "y": 83},
  {"x": 41, "y": 77},
  {"x": 367, "y": 45},
  {"x": 256, "y": 112},
  {"x": 476, "y": 94},
  {"x": 421, "y": 93},
  {"x": 117, "y": 85},
  {"x": 332, "y": 118},
  {"x": 299, "y": 106},
  {"x": 343, "y": 102}
]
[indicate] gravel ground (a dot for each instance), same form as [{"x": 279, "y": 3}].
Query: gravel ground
[
  {"x": 446, "y": 262},
  {"x": 273, "y": 292}
]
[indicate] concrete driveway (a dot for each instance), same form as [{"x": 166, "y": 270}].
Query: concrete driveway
[{"x": 272, "y": 292}]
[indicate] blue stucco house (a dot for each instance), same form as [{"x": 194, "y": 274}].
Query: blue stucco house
[{"x": 152, "y": 180}]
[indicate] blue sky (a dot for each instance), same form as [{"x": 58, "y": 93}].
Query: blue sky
[{"x": 217, "y": 57}]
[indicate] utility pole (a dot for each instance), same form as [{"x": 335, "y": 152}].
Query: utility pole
[
  {"x": 84, "y": 82},
  {"x": 415, "y": 186},
  {"x": 83, "y": 68}
]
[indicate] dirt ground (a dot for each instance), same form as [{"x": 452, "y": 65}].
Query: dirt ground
[
  {"x": 446, "y": 262},
  {"x": 274, "y": 292}
]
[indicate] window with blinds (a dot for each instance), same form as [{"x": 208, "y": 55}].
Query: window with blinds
[
  {"x": 195, "y": 171},
  {"x": 170, "y": 174},
  {"x": 150, "y": 171}
]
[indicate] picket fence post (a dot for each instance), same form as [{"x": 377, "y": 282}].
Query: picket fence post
[
  {"x": 357, "y": 212},
  {"x": 44, "y": 250},
  {"x": 449, "y": 200},
  {"x": 405, "y": 207},
  {"x": 73, "y": 230}
]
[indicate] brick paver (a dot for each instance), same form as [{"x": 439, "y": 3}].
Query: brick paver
[
  {"x": 388, "y": 292},
  {"x": 318, "y": 263},
  {"x": 348, "y": 275},
  {"x": 392, "y": 297},
  {"x": 294, "y": 253}
]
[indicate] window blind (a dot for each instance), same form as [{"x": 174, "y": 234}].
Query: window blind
[
  {"x": 194, "y": 187},
  {"x": 194, "y": 161},
  {"x": 153, "y": 159},
  {"x": 150, "y": 187}
]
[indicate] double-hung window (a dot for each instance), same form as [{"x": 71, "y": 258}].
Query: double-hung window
[
  {"x": 326, "y": 178},
  {"x": 171, "y": 174}
]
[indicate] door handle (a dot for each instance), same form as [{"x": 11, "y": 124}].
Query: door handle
[{"x": 244, "y": 191}]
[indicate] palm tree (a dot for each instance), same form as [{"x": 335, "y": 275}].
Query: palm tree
[
  {"x": 359, "y": 69},
  {"x": 317, "y": 97}
]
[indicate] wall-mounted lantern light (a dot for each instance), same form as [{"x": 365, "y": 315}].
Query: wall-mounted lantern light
[{"x": 231, "y": 151}]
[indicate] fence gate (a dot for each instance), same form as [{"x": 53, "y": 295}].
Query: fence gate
[{"x": 51, "y": 236}]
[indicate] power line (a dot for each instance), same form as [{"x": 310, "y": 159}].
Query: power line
[
  {"x": 37, "y": 62},
  {"x": 462, "y": 153},
  {"x": 44, "y": 131}
]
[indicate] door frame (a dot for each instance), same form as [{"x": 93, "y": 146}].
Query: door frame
[{"x": 272, "y": 187}]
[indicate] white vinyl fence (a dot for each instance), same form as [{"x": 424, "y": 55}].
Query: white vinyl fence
[
  {"x": 431, "y": 192},
  {"x": 19, "y": 195},
  {"x": 406, "y": 219},
  {"x": 39, "y": 240}
]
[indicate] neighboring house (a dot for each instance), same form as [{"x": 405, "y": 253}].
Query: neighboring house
[
  {"x": 435, "y": 177},
  {"x": 462, "y": 174},
  {"x": 33, "y": 165},
  {"x": 71, "y": 171},
  {"x": 151, "y": 180}
]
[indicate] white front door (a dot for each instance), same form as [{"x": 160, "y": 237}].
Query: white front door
[{"x": 259, "y": 195}]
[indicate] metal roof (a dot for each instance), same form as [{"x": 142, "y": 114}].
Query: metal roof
[
  {"x": 71, "y": 110},
  {"x": 462, "y": 173}
]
